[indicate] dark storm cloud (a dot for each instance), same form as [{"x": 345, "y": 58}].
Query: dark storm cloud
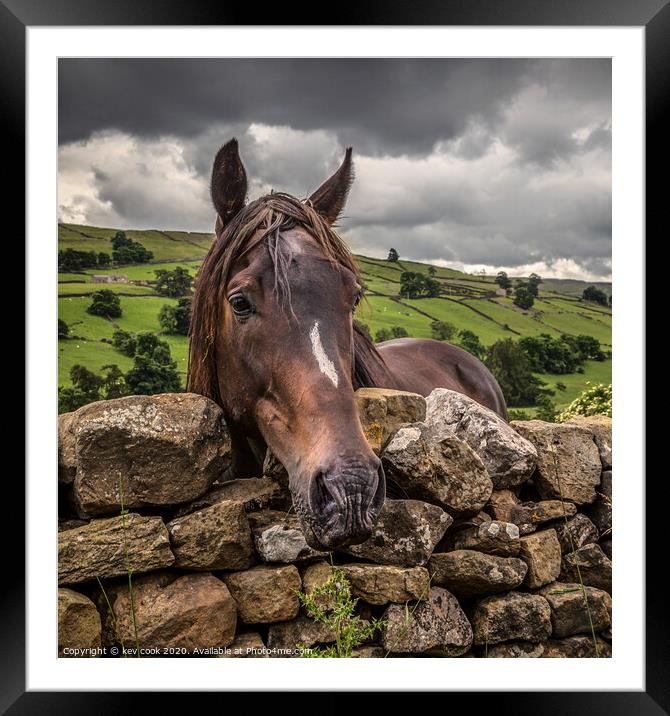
[
  {"x": 381, "y": 106},
  {"x": 482, "y": 162}
]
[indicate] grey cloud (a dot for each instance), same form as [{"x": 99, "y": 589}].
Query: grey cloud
[
  {"x": 385, "y": 106},
  {"x": 495, "y": 162}
]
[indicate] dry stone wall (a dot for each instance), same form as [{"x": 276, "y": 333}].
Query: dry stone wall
[{"x": 496, "y": 542}]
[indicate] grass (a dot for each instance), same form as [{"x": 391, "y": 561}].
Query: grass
[
  {"x": 381, "y": 312},
  {"x": 166, "y": 246},
  {"x": 558, "y": 310},
  {"x": 78, "y": 277},
  {"x": 92, "y": 354},
  {"x": 127, "y": 289},
  {"x": 139, "y": 314},
  {"x": 145, "y": 272},
  {"x": 575, "y": 384},
  {"x": 463, "y": 316}
]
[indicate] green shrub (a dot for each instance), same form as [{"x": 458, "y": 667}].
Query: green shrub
[
  {"x": 88, "y": 387},
  {"x": 124, "y": 342},
  {"x": 470, "y": 342},
  {"x": 523, "y": 296},
  {"x": 175, "y": 320},
  {"x": 127, "y": 251},
  {"x": 173, "y": 283},
  {"x": 512, "y": 369},
  {"x": 154, "y": 370},
  {"x": 442, "y": 331},
  {"x": 596, "y": 400},
  {"x": 332, "y": 605},
  {"x": 105, "y": 303},
  {"x": 387, "y": 334}
]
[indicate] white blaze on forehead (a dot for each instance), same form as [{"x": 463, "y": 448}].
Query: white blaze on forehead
[{"x": 325, "y": 364}]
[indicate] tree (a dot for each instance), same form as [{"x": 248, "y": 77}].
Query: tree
[
  {"x": 63, "y": 329},
  {"x": 550, "y": 355},
  {"x": 72, "y": 261},
  {"x": 523, "y": 297},
  {"x": 167, "y": 319},
  {"x": 124, "y": 342},
  {"x": 88, "y": 387},
  {"x": 127, "y": 251},
  {"x": 173, "y": 283},
  {"x": 432, "y": 287},
  {"x": 105, "y": 303},
  {"x": 442, "y": 331},
  {"x": 120, "y": 239},
  {"x": 104, "y": 259},
  {"x": 175, "y": 320},
  {"x": 534, "y": 281},
  {"x": 393, "y": 255},
  {"x": 114, "y": 383},
  {"x": 432, "y": 270},
  {"x": 153, "y": 369},
  {"x": 85, "y": 389},
  {"x": 383, "y": 334},
  {"x": 182, "y": 314},
  {"x": 594, "y": 294},
  {"x": 411, "y": 284},
  {"x": 471, "y": 343},
  {"x": 560, "y": 355},
  {"x": 416, "y": 285},
  {"x": 399, "y": 332},
  {"x": 503, "y": 280},
  {"x": 512, "y": 369},
  {"x": 585, "y": 347}
]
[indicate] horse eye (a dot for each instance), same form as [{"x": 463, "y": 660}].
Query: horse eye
[
  {"x": 356, "y": 302},
  {"x": 240, "y": 305}
]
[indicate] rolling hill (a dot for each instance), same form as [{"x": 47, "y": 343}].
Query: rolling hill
[{"x": 467, "y": 301}]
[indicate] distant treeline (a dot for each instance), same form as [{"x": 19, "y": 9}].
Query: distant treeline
[{"x": 124, "y": 251}]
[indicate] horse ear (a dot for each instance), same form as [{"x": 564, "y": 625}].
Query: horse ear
[
  {"x": 329, "y": 199},
  {"x": 229, "y": 183}
]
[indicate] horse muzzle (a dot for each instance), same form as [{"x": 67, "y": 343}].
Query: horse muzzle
[{"x": 344, "y": 502}]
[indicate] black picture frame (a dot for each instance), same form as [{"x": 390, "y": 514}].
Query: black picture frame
[{"x": 17, "y": 15}]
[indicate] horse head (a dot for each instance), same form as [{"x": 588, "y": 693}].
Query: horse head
[{"x": 272, "y": 341}]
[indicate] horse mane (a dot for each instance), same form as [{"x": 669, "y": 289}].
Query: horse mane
[
  {"x": 369, "y": 369},
  {"x": 264, "y": 221}
]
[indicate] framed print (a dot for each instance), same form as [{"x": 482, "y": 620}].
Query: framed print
[{"x": 337, "y": 371}]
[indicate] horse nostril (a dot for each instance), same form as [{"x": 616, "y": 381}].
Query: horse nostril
[{"x": 318, "y": 493}]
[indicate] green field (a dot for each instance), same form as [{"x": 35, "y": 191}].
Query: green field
[
  {"x": 468, "y": 302},
  {"x": 166, "y": 245}
]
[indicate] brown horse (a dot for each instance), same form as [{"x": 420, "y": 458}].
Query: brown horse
[{"x": 274, "y": 344}]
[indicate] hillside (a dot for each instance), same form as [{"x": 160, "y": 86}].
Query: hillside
[{"x": 468, "y": 302}]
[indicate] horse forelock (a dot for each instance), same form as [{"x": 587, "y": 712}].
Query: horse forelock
[{"x": 264, "y": 220}]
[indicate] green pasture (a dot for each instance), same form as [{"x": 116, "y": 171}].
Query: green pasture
[
  {"x": 558, "y": 309},
  {"x": 166, "y": 246},
  {"x": 145, "y": 272},
  {"x": 79, "y": 277},
  {"x": 129, "y": 289}
]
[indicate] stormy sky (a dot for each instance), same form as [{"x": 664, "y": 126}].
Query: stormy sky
[{"x": 475, "y": 164}]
